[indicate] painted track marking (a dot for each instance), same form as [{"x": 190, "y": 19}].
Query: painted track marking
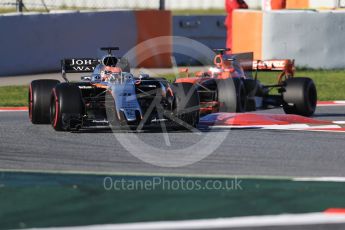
[
  {"x": 14, "y": 109},
  {"x": 237, "y": 222}
]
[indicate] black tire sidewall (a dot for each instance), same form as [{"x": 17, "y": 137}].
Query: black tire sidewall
[
  {"x": 231, "y": 95},
  {"x": 68, "y": 100},
  {"x": 39, "y": 100},
  {"x": 301, "y": 92}
]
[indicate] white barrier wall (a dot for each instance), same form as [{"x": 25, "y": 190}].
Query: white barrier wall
[
  {"x": 37, "y": 42},
  {"x": 314, "y": 39},
  {"x": 205, "y": 4},
  {"x": 316, "y": 4},
  {"x": 254, "y": 4},
  {"x": 154, "y": 4}
]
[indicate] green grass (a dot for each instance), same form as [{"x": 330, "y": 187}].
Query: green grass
[
  {"x": 14, "y": 95},
  {"x": 329, "y": 83},
  {"x": 43, "y": 10},
  {"x": 7, "y": 10}
]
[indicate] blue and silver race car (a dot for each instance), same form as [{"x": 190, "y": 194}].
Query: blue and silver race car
[{"x": 111, "y": 96}]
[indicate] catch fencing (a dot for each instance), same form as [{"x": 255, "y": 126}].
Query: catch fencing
[{"x": 49, "y": 5}]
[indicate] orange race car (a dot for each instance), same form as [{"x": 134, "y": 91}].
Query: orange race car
[{"x": 229, "y": 86}]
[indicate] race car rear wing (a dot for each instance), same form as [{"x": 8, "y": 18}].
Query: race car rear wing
[
  {"x": 78, "y": 65},
  {"x": 285, "y": 66},
  {"x": 84, "y": 65},
  {"x": 273, "y": 65},
  {"x": 267, "y": 65}
]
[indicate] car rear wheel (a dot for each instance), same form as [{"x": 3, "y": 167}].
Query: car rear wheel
[
  {"x": 67, "y": 107},
  {"x": 39, "y": 100},
  {"x": 231, "y": 95},
  {"x": 299, "y": 96}
]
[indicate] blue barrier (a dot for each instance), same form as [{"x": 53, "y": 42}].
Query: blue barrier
[
  {"x": 209, "y": 30},
  {"x": 34, "y": 43}
]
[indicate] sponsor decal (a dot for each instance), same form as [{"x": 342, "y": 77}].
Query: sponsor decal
[{"x": 80, "y": 64}]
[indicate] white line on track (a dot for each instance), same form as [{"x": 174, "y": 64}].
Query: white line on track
[
  {"x": 225, "y": 223},
  {"x": 331, "y": 103},
  {"x": 325, "y": 131},
  {"x": 206, "y": 176},
  {"x": 339, "y": 122},
  {"x": 325, "y": 127},
  {"x": 320, "y": 179},
  {"x": 146, "y": 174}
]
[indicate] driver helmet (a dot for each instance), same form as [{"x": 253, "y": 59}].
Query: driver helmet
[{"x": 214, "y": 72}]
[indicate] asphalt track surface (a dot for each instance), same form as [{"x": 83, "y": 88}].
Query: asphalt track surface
[{"x": 24, "y": 146}]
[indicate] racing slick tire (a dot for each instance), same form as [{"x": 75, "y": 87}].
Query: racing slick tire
[
  {"x": 39, "y": 100},
  {"x": 186, "y": 105},
  {"x": 299, "y": 96},
  {"x": 66, "y": 107},
  {"x": 231, "y": 95}
]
